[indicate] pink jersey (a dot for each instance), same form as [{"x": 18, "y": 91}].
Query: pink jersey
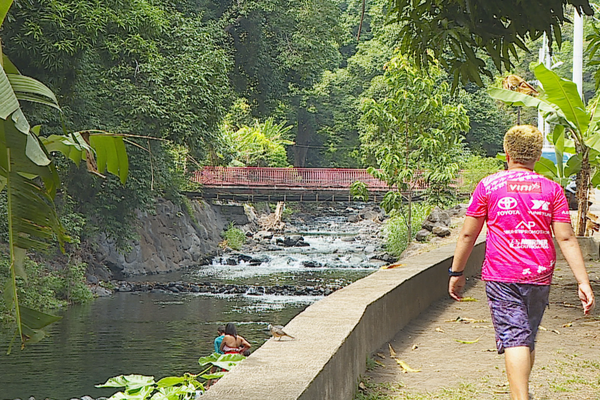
[{"x": 519, "y": 208}]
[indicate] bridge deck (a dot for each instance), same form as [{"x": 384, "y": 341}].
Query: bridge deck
[{"x": 289, "y": 184}]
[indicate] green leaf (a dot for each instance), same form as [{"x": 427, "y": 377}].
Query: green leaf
[
  {"x": 9, "y": 67},
  {"x": 596, "y": 179},
  {"x": 72, "y": 146},
  {"x": 4, "y": 7},
  {"x": 33, "y": 321},
  {"x": 564, "y": 94},
  {"x": 32, "y": 219},
  {"x": 8, "y": 100},
  {"x": 170, "y": 381},
  {"x": 228, "y": 361},
  {"x": 558, "y": 139},
  {"x": 129, "y": 381},
  {"x": 573, "y": 165},
  {"x": 33, "y": 89},
  {"x": 37, "y": 319},
  {"x": 547, "y": 168},
  {"x": 521, "y": 100},
  {"x": 208, "y": 359},
  {"x": 111, "y": 155},
  {"x": 216, "y": 375}
]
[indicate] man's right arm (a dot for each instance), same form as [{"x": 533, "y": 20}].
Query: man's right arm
[{"x": 464, "y": 245}]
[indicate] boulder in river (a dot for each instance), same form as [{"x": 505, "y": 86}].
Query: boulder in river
[
  {"x": 292, "y": 241},
  {"x": 312, "y": 264}
]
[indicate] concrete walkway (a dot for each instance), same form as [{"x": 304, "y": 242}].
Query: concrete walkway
[{"x": 452, "y": 345}]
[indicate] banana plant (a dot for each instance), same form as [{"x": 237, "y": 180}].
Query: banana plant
[
  {"x": 30, "y": 179},
  {"x": 576, "y": 131}
]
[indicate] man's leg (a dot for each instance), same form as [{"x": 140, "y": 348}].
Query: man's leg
[{"x": 519, "y": 362}]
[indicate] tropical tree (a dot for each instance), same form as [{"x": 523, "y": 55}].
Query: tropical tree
[
  {"x": 411, "y": 133},
  {"x": 576, "y": 131},
  {"x": 457, "y": 33},
  {"x": 260, "y": 145},
  {"x": 31, "y": 180}
]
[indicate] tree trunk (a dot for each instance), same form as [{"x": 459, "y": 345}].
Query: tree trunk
[
  {"x": 583, "y": 184},
  {"x": 409, "y": 219}
]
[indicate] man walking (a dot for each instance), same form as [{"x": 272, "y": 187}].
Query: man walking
[{"x": 521, "y": 209}]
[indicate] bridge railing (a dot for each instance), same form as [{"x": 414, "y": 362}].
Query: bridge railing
[{"x": 322, "y": 178}]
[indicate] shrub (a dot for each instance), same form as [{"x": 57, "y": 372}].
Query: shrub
[
  {"x": 476, "y": 168},
  {"x": 396, "y": 230},
  {"x": 234, "y": 237}
]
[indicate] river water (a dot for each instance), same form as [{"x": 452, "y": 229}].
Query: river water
[{"x": 164, "y": 334}]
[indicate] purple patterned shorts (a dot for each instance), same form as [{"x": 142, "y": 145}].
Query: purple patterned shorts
[{"x": 517, "y": 311}]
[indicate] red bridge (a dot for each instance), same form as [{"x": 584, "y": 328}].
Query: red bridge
[{"x": 287, "y": 184}]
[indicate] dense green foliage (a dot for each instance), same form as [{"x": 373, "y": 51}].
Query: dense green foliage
[
  {"x": 46, "y": 287},
  {"x": 474, "y": 169},
  {"x": 136, "y": 68},
  {"x": 452, "y": 32}
]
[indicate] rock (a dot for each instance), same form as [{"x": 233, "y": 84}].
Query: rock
[
  {"x": 422, "y": 235},
  {"x": 312, "y": 264},
  {"x": 169, "y": 240},
  {"x": 354, "y": 218},
  {"x": 292, "y": 241},
  {"x": 348, "y": 238},
  {"x": 370, "y": 215},
  {"x": 437, "y": 217},
  {"x": 100, "y": 291},
  {"x": 428, "y": 225},
  {"x": 259, "y": 260},
  {"x": 370, "y": 249},
  {"x": 231, "y": 261},
  {"x": 87, "y": 398},
  {"x": 264, "y": 235},
  {"x": 252, "y": 291},
  {"x": 388, "y": 258},
  {"x": 244, "y": 257},
  {"x": 441, "y": 231}
]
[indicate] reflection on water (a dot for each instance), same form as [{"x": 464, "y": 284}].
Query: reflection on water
[{"x": 149, "y": 334}]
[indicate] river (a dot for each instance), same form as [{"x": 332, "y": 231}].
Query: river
[{"x": 164, "y": 334}]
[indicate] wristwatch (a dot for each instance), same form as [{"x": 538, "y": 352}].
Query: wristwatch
[{"x": 454, "y": 273}]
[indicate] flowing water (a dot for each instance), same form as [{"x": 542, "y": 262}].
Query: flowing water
[{"x": 164, "y": 334}]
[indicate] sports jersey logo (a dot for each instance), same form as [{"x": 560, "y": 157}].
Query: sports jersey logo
[
  {"x": 525, "y": 225},
  {"x": 540, "y": 205},
  {"x": 524, "y": 187},
  {"x": 507, "y": 203},
  {"x": 529, "y": 244}
]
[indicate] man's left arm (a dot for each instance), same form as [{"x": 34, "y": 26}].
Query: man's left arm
[{"x": 567, "y": 241}]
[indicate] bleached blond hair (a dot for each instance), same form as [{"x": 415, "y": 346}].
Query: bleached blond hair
[{"x": 523, "y": 144}]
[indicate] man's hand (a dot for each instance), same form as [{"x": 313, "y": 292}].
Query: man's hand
[
  {"x": 586, "y": 295},
  {"x": 455, "y": 286}
]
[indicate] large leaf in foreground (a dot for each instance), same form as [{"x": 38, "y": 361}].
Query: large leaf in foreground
[
  {"x": 32, "y": 219},
  {"x": 564, "y": 94}
]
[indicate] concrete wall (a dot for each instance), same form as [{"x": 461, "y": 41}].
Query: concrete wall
[{"x": 334, "y": 336}]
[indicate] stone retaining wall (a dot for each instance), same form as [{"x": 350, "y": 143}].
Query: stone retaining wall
[{"x": 334, "y": 336}]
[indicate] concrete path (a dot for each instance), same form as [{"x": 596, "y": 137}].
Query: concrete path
[{"x": 452, "y": 344}]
